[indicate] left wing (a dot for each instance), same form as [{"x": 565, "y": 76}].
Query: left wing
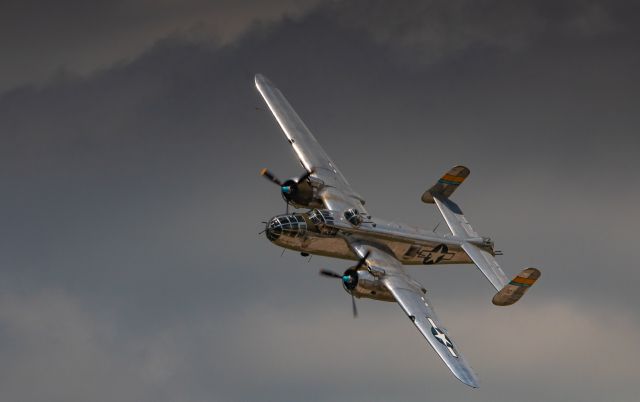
[
  {"x": 336, "y": 193},
  {"x": 410, "y": 295}
]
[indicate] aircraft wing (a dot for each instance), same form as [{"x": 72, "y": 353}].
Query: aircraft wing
[
  {"x": 411, "y": 296},
  {"x": 335, "y": 191}
]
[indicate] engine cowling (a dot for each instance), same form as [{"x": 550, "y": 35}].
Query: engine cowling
[
  {"x": 299, "y": 194},
  {"x": 361, "y": 283},
  {"x": 297, "y": 191}
]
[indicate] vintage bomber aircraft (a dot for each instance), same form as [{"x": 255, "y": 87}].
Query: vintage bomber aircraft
[{"x": 337, "y": 224}]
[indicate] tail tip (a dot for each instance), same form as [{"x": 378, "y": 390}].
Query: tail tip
[{"x": 514, "y": 290}]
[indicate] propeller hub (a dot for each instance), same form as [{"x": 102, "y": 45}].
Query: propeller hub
[
  {"x": 350, "y": 279},
  {"x": 295, "y": 191},
  {"x": 349, "y": 282}
]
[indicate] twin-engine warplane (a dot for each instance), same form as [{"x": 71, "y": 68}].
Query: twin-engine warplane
[{"x": 335, "y": 223}]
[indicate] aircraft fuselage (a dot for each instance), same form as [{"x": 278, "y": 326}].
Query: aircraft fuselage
[{"x": 324, "y": 232}]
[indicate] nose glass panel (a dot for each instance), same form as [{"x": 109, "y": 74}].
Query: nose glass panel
[{"x": 286, "y": 225}]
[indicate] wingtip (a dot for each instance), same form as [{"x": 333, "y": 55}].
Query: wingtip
[
  {"x": 471, "y": 381},
  {"x": 464, "y": 373},
  {"x": 261, "y": 80}
]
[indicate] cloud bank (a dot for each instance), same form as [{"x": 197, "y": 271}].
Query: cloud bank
[{"x": 132, "y": 268}]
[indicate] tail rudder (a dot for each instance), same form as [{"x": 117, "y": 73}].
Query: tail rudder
[
  {"x": 447, "y": 184},
  {"x": 508, "y": 292},
  {"x": 514, "y": 290},
  {"x": 439, "y": 194},
  {"x": 479, "y": 249}
]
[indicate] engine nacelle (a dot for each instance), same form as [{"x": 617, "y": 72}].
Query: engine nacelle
[
  {"x": 362, "y": 283},
  {"x": 300, "y": 194},
  {"x": 298, "y": 191}
]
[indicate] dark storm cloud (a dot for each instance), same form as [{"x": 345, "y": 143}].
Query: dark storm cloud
[
  {"x": 438, "y": 29},
  {"x": 39, "y": 39},
  {"x": 132, "y": 268},
  {"x": 431, "y": 30}
]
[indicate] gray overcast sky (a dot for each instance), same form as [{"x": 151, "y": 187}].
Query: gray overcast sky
[
  {"x": 40, "y": 38},
  {"x": 131, "y": 265}
]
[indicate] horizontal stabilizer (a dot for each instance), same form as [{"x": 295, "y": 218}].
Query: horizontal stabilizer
[
  {"x": 514, "y": 290},
  {"x": 487, "y": 264},
  {"x": 454, "y": 217},
  {"x": 447, "y": 184}
]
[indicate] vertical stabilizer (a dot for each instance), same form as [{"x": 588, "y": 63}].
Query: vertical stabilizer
[{"x": 447, "y": 184}]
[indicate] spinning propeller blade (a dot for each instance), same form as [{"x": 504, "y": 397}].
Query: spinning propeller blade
[
  {"x": 330, "y": 274},
  {"x": 363, "y": 260},
  {"x": 305, "y": 176},
  {"x": 270, "y": 176},
  {"x": 266, "y": 173},
  {"x": 353, "y": 306}
]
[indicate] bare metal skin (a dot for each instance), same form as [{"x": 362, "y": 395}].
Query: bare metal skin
[{"x": 335, "y": 223}]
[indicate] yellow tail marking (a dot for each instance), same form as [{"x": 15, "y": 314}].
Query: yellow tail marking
[
  {"x": 524, "y": 281},
  {"x": 456, "y": 179}
]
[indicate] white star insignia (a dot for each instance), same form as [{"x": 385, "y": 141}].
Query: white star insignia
[{"x": 441, "y": 337}]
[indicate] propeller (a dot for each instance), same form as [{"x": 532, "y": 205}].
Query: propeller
[
  {"x": 348, "y": 278},
  {"x": 305, "y": 176},
  {"x": 270, "y": 176},
  {"x": 363, "y": 260},
  {"x": 353, "y": 306},
  {"x": 267, "y": 174},
  {"x": 289, "y": 188},
  {"x": 330, "y": 274}
]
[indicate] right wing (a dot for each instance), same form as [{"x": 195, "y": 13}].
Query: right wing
[
  {"x": 335, "y": 191},
  {"x": 411, "y": 297}
]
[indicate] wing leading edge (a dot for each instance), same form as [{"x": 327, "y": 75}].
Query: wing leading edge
[
  {"x": 335, "y": 191},
  {"x": 412, "y": 299}
]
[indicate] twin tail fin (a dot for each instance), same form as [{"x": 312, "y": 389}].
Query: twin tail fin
[
  {"x": 447, "y": 184},
  {"x": 479, "y": 249}
]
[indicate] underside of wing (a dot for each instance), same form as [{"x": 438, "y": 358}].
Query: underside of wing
[
  {"x": 410, "y": 295},
  {"x": 310, "y": 153},
  {"x": 419, "y": 310}
]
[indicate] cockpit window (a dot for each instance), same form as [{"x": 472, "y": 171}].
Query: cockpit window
[
  {"x": 321, "y": 216},
  {"x": 323, "y": 219},
  {"x": 286, "y": 225},
  {"x": 353, "y": 216}
]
